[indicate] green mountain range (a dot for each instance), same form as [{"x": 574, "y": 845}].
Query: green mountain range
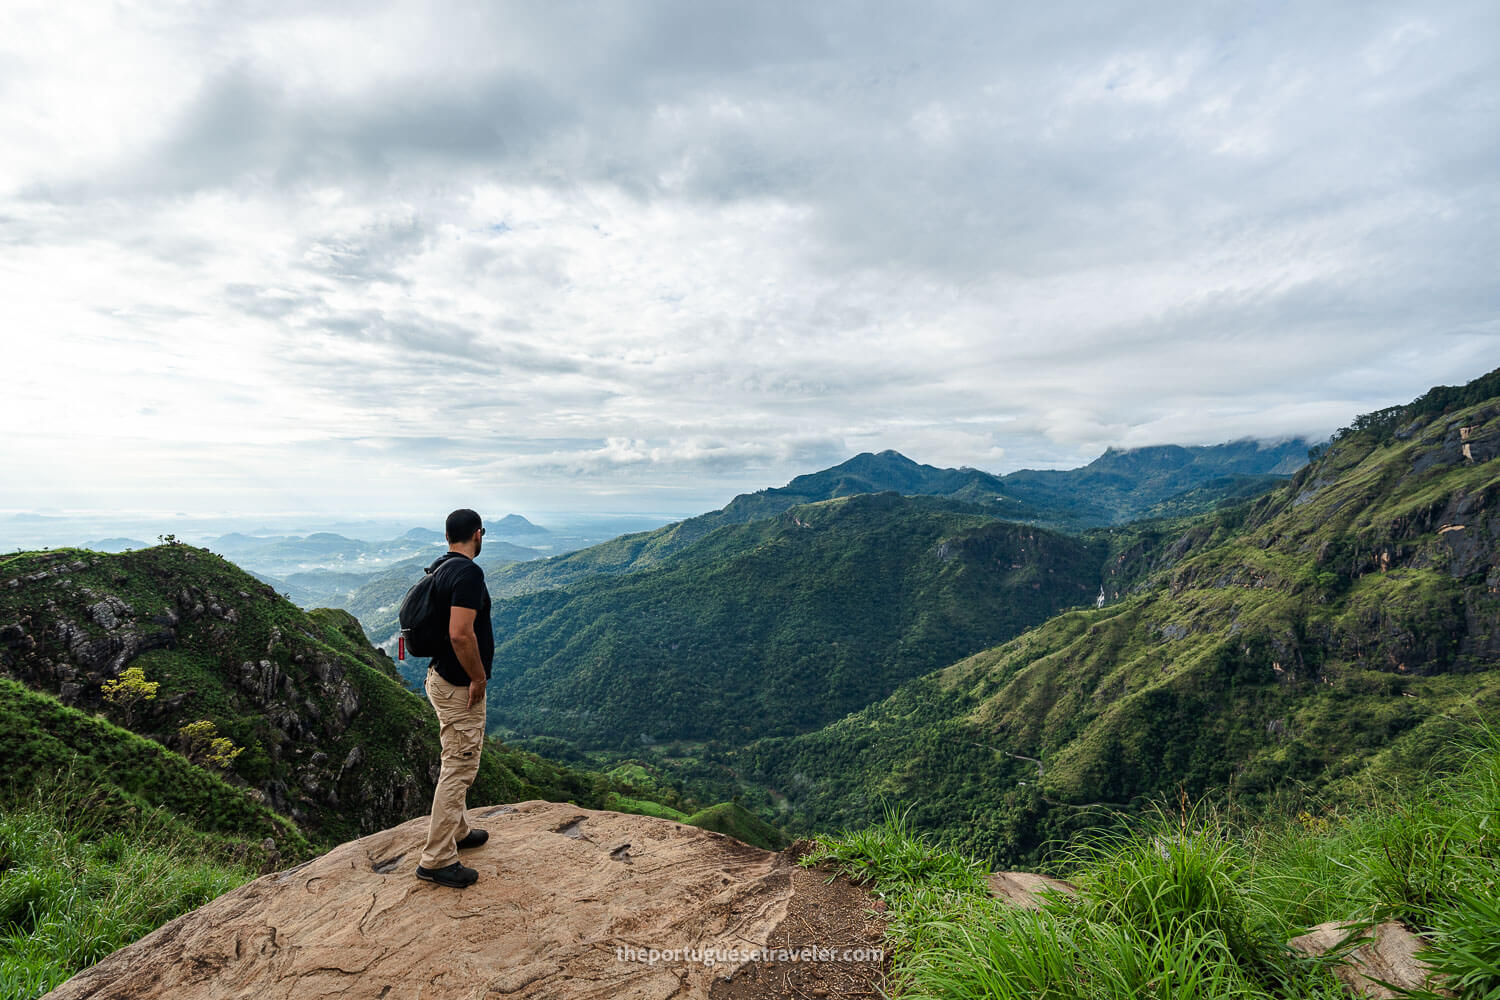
[
  {"x": 1114, "y": 488},
  {"x": 794, "y": 606},
  {"x": 1337, "y": 629},
  {"x": 778, "y": 625}
]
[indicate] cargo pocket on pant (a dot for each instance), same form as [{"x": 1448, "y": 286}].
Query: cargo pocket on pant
[{"x": 467, "y": 742}]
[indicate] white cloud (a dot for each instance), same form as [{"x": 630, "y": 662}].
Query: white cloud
[{"x": 364, "y": 254}]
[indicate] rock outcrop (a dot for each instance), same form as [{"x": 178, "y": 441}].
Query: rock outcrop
[
  {"x": 1386, "y": 953},
  {"x": 570, "y": 903},
  {"x": 1027, "y": 890}
]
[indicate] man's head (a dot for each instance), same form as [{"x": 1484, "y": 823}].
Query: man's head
[{"x": 465, "y": 530}]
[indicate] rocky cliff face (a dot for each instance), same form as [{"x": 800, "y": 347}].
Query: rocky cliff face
[{"x": 225, "y": 648}]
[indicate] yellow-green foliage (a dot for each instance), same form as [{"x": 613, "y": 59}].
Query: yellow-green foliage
[
  {"x": 129, "y": 690},
  {"x": 206, "y": 746}
]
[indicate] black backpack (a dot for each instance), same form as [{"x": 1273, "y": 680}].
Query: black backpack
[{"x": 424, "y": 615}]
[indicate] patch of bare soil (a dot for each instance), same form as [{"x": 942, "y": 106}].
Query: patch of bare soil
[{"x": 829, "y": 945}]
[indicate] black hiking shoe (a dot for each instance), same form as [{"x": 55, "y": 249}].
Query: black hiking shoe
[
  {"x": 474, "y": 838},
  {"x": 455, "y": 876}
]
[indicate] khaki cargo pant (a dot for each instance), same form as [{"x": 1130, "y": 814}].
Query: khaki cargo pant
[{"x": 461, "y": 734}]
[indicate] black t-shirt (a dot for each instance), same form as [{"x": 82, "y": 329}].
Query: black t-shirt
[{"x": 460, "y": 584}]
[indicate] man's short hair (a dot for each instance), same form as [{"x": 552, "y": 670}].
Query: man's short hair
[{"x": 462, "y": 524}]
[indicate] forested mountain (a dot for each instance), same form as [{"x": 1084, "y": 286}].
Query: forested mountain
[
  {"x": 781, "y": 624},
  {"x": 1345, "y": 623},
  {"x": 1124, "y": 484},
  {"x": 515, "y": 529},
  {"x": 1114, "y": 488}
]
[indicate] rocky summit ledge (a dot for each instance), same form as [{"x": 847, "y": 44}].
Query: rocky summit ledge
[{"x": 569, "y": 904}]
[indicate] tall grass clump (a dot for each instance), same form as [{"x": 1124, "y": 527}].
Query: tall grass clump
[
  {"x": 1460, "y": 875},
  {"x": 893, "y": 859},
  {"x": 1166, "y": 912},
  {"x": 75, "y": 887},
  {"x": 1189, "y": 903},
  {"x": 1183, "y": 879}
]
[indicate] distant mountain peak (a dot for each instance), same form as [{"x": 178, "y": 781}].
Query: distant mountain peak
[{"x": 515, "y": 524}]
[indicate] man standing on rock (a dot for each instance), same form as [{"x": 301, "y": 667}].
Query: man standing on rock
[{"x": 456, "y": 680}]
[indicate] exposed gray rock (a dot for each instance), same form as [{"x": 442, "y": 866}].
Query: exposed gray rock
[
  {"x": 1027, "y": 890},
  {"x": 1385, "y": 952},
  {"x": 108, "y": 612}
]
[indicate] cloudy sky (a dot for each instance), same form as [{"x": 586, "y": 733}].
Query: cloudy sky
[{"x": 262, "y": 256}]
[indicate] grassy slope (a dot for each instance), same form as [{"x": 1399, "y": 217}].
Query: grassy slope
[
  {"x": 1265, "y": 650},
  {"x": 78, "y": 881},
  {"x": 735, "y": 820},
  {"x": 41, "y": 739},
  {"x": 779, "y": 624}
]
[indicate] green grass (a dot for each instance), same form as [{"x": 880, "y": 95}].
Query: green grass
[
  {"x": 1195, "y": 903},
  {"x": 78, "y": 882},
  {"x": 644, "y": 807},
  {"x": 128, "y": 774},
  {"x": 738, "y": 822}
]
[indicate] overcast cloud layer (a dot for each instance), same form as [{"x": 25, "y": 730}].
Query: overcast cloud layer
[{"x": 626, "y": 256}]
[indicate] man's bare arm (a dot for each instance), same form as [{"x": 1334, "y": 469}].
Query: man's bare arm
[{"x": 466, "y": 648}]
